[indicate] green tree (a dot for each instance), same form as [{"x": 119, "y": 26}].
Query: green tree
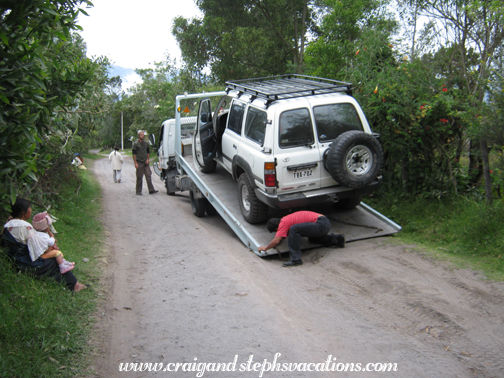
[
  {"x": 43, "y": 76},
  {"x": 152, "y": 101},
  {"x": 472, "y": 27},
  {"x": 341, "y": 32},
  {"x": 427, "y": 95},
  {"x": 246, "y": 38}
]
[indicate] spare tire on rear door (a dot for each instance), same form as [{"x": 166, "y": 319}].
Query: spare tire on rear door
[{"x": 354, "y": 159}]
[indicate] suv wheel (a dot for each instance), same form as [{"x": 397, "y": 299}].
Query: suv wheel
[
  {"x": 253, "y": 210},
  {"x": 354, "y": 159}
]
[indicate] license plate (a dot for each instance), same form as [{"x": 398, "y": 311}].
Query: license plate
[{"x": 302, "y": 174}]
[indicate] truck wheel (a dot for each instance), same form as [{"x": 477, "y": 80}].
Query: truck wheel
[
  {"x": 210, "y": 210},
  {"x": 354, "y": 159},
  {"x": 253, "y": 210},
  {"x": 168, "y": 186},
  {"x": 348, "y": 203},
  {"x": 197, "y": 204}
]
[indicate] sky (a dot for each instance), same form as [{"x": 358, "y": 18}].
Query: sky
[{"x": 134, "y": 33}]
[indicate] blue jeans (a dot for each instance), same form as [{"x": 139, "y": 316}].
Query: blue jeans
[{"x": 316, "y": 230}]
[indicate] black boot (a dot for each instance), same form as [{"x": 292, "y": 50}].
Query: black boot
[{"x": 338, "y": 240}]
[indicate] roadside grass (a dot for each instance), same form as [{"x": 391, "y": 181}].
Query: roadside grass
[
  {"x": 90, "y": 156},
  {"x": 464, "y": 232},
  {"x": 44, "y": 328}
]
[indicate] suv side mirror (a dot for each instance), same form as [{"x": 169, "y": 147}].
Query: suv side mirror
[{"x": 152, "y": 139}]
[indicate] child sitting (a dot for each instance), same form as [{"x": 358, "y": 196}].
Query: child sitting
[{"x": 41, "y": 223}]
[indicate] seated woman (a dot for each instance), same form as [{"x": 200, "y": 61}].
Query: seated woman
[
  {"x": 78, "y": 161},
  {"x": 23, "y": 247}
]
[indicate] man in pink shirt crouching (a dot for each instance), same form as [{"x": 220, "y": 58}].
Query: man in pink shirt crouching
[{"x": 296, "y": 225}]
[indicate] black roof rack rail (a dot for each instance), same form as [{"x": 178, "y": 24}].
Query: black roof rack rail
[{"x": 273, "y": 88}]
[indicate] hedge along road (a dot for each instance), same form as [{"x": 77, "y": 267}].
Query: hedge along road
[{"x": 182, "y": 289}]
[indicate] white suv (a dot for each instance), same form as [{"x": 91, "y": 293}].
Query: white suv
[{"x": 289, "y": 141}]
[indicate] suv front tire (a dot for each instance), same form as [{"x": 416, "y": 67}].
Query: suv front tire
[{"x": 253, "y": 210}]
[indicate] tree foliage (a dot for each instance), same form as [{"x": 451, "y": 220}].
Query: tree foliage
[
  {"x": 45, "y": 79},
  {"x": 435, "y": 101},
  {"x": 246, "y": 38},
  {"x": 148, "y": 104},
  {"x": 342, "y": 29},
  {"x": 471, "y": 35}
]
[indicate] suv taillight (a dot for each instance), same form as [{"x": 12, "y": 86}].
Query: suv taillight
[{"x": 269, "y": 174}]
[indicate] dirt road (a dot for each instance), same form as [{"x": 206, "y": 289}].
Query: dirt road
[{"x": 183, "y": 289}]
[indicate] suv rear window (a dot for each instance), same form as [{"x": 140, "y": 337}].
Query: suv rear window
[
  {"x": 295, "y": 128},
  {"x": 334, "y": 119}
]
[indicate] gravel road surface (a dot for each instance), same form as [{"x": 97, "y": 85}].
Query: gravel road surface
[{"x": 184, "y": 292}]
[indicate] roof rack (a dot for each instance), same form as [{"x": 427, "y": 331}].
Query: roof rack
[{"x": 273, "y": 88}]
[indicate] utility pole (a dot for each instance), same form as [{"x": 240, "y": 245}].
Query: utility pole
[{"x": 122, "y": 137}]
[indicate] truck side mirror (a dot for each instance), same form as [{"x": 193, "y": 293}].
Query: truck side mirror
[{"x": 152, "y": 139}]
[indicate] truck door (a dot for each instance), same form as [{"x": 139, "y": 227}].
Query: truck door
[
  {"x": 204, "y": 137},
  {"x": 161, "y": 151}
]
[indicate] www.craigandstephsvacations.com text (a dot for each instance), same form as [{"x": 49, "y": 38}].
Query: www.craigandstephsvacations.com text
[{"x": 250, "y": 365}]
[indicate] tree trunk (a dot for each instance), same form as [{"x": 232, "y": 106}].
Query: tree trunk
[
  {"x": 475, "y": 172},
  {"x": 453, "y": 179},
  {"x": 486, "y": 171},
  {"x": 404, "y": 173}
]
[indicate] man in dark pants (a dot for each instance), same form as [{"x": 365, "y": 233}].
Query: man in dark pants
[
  {"x": 141, "y": 154},
  {"x": 296, "y": 225}
]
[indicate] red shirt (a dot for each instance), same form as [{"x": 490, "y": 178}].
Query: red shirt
[{"x": 295, "y": 218}]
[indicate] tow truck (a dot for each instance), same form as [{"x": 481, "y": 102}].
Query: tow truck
[{"x": 217, "y": 192}]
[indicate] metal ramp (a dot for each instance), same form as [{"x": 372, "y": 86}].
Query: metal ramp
[{"x": 220, "y": 189}]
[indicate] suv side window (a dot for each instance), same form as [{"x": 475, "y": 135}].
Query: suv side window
[
  {"x": 235, "y": 117},
  {"x": 295, "y": 128},
  {"x": 334, "y": 119},
  {"x": 255, "y": 125}
]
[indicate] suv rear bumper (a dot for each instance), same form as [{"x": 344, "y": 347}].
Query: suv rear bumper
[{"x": 331, "y": 194}]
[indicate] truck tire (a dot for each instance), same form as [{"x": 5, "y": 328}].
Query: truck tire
[
  {"x": 167, "y": 178},
  {"x": 197, "y": 204},
  {"x": 210, "y": 210},
  {"x": 354, "y": 159},
  {"x": 348, "y": 203},
  {"x": 253, "y": 210}
]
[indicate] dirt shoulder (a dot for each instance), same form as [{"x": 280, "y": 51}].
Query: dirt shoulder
[{"x": 182, "y": 289}]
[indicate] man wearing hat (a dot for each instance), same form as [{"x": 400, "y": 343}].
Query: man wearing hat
[{"x": 141, "y": 154}]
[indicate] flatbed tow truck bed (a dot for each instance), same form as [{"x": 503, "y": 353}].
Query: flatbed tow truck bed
[{"x": 220, "y": 189}]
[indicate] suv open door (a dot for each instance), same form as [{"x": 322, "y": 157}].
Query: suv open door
[{"x": 205, "y": 143}]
